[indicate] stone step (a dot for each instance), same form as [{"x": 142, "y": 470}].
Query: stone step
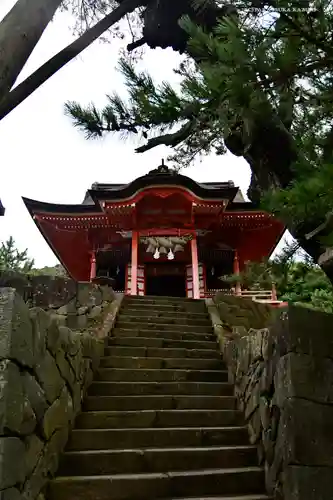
[
  {"x": 183, "y": 306},
  {"x": 161, "y": 342},
  {"x": 161, "y": 352},
  {"x": 136, "y": 388},
  {"x": 243, "y": 497},
  {"x": 137, "y": 325},
  {"x": 167, "y": 334},
  {"x": 104, "y": 403},
  {"x": 164, "y": 313},
  {"x": 158, "y": 485},
  {"x": 162, "y": 299},
  {"x": 167, "y": 309},
  {"x": 78, "y": 463},
  {"x": 169, "y": 319},
  {"x": 160, "y": 363},
  {"x": 121, "y": 439},
  {"x": 160, "y": 418},
  {"x": 160, "y": 375}
]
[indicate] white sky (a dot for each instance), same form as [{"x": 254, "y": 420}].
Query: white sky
[{"x": 45, "y": 158}]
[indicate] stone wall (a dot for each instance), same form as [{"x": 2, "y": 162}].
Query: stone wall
[
  {"x": 45, "y": 369},
  {"x": 242, "y": 312},
  {"x": 283, "y": 378},
  {"x": 41, "y": 291}
]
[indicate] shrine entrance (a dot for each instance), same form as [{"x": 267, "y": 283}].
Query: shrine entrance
[{"x": 165, "y": 279}]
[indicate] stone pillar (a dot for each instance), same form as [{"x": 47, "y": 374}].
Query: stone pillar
[
  {"x": 195, "y": 267},
  {"x": 238, "y": 287},
  {"x": 92, "y": 266},
  {"x": 134, "y": 271}
]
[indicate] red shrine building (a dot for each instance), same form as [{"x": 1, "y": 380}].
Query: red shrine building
[{"x": 162, "y": 234}]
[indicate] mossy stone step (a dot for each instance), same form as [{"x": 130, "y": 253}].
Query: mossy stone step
[
  {"x": 183, "y": 306},
  {"x": 169, "y": 319},
  {"x": 161, "y": 352},
  {"x": 158, "y": 418},
  {"x": 167, "y": 334},
  {"x": 160, "y": 375},
  {"x": 78, "y": 463},
  {"x": 158, "y": 485},
  {"x": 161, "y": 342},
  {"x": 158, "y": 299},
  {"x": 176, "y": 327},
  {"x": 122, "y": 439},
  {"x": 156, "y": 313},
  {"x": 136, "y": 388},
  {"x": 159, "y": 402},
  {"x": 243, "y": 497},
  {"x": 162, "y": 363}
]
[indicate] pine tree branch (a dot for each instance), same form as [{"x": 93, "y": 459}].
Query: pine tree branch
[
  {"x": 307, "y": 35},
  {"x": 170, "y": 140},
  {"x": 134, "y": 45}
]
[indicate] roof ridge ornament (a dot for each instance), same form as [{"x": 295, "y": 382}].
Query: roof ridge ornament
[{"x": 162, "y": 169}]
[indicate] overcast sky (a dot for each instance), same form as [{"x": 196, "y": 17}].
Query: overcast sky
[{"x": 44, "y": 157}]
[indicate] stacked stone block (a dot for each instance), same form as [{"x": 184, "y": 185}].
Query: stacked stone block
[
  {"x": 45, "y": 369},
  {"x": 283, "y": 380}
]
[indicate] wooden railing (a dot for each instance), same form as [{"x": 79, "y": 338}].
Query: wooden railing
[
  {"x": 256, "y": 295},
  {"x": 213, "y": 291}
]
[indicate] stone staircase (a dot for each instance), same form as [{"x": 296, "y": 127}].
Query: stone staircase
[{"x": 160, "y": 421}]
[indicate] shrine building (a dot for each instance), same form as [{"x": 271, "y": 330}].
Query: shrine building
[{"x": 161, "y": 234}]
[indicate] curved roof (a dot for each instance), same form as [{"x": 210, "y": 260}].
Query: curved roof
[
  {"x": 165, "y": 177},
  {"x": 162, "y": 176}
]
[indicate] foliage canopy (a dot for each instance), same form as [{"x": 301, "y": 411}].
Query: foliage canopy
[
  {"x": 11, "y": 259},
  {"x": 267, "y": 68},
  {"x": 297, "y": 280},
  {"x": 14, "y": 260}
]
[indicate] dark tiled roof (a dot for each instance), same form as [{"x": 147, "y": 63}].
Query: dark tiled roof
[{"x": 165, "y": 176}]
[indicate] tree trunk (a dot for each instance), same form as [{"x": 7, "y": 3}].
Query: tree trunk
[
  {"x": 274, "y": 166},
  {"x": 20, "y": 31},
  {"x": 30, "y": 84}
]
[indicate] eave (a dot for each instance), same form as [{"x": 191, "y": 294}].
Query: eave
[{"x": 35, "y": 206}]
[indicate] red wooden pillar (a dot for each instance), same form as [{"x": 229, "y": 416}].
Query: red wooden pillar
[
  {"x": 274, "y": 293},
  {"x": 134, "y": 276},
  {"x": 92, "y": 266},
  {"x": 237, "y": 272},
  {"x": 195, "y": 267}
]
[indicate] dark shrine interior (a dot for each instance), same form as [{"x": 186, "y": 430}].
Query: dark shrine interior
[
  {"x": 169, "y": 286},
  {"x": 166, "y": 279}
]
